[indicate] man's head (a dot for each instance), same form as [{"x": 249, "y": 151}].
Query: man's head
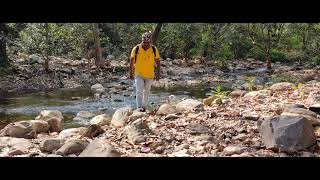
[{"x": 146, "y": 39}]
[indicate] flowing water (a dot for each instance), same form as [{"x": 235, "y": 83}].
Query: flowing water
[{"x": 26, "y": 106}]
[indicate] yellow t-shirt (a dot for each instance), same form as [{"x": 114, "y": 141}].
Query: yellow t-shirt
[{"x": 144, "y": 65}]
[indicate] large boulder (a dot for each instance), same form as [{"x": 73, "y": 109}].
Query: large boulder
[
  {"x": 311, "y": 116},
  {"x": 55, "y": 124},
  {"x": 287, "y": 133},
  {"x": 121, "y": 116},
  {"x": 92, "y": 131},
  {"x": 136, "y": 132},
  {"x": 48, "y": 145},
  {"x": 189, "y": 104},
  {"x": 166, "y": 109},
  {"x": 10, "y": 146},
  {"x": 73, "y": 146},
  {"x": 83, "y": 116},
  {"x": 72, "y": 133},
  {"x": 102, "y": 119},
  {"x": 100, "y": 147},
  {"x": 40, "y": 126},
  {"x": 282, "y": 86},
  {"x": 20, "y": 129},
  {"x": 48, "y": 114}
]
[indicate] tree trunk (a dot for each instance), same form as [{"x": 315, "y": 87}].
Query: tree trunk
[
  {"x": 156, "y": 33},
  {"x": 268, "y": 59},
  {"x": 98, "y": 53},
  {"x": 268, "y": 51},
  {"x": 3, "y": 51},
  {"x": 46, "y": 60}
]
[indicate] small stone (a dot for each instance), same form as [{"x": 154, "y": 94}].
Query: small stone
[
  {"x": 250, "y": 116},
  {"x": 230, "y": 150},
  {"x": 171, "y": 117},
  {"x": 315, "y": 108},
  {"x": 159, "y": 149},
  {"x": 145, "y": 150}
]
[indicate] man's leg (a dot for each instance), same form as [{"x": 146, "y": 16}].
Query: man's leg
[
  {"x": 139, "y": 91},
  {"x": 146, "y": 92}
]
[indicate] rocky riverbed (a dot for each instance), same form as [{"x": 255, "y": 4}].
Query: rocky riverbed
[
  {"x": 279, "y": 121},
  {"x": 259, "y": 118}
]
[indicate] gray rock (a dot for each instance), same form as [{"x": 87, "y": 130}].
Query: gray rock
[
  {"x": 72, "y": 132},
  {"x": 49, "y": 145},
  {"x": 137, "y": 115},
  {"x": 171, "y": 117},
  {"x": 100, "y": 148},
  {"x": 287, "y": 133},
  {"x": 136, "y": 132},
  {"x": 98, "y": 90},
  {"x": 166, "y": 109},
  {"x": 238, "y": 93},
  {"x": 55, "y": 124},
  {"x": 315, "y": 108},
  {"x": 92, "y": 131},
  {"x": 111, "y": 57},
  {"x": 20, "y": 129},
  {"x": 282, "y": 86},
  {"x": 40, "y": 126},
  {"x": 120, "y": 117},
  {"x": 102, "y": 119},
  {"x": 48, "y": 114},
  {"x": 231, "y": 150},
  {"x": 195, "y": 128},
  {"x": 189, "y": 104},
  {"x": 311, "y": 116},
  {"x": 85, "y": 114},
  {"x": 33, "y": 59},
  {"x": 73, "y": 146},
  {"x": 54, "y": 155},
  {"x": 11, "y": 145}
]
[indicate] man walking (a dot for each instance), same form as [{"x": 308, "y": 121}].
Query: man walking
[{"x": 142, "y": 66}]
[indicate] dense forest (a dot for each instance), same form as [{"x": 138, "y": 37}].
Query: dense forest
[{"x": 219, "y": 42}]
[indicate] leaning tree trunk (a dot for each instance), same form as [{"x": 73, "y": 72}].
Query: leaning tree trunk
[
  {"x": 98, "y": 53},
  {"x": 3, "y": 51},
  {"x": 156, "y": 33}
]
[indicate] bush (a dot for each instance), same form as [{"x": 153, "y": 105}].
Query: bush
[
  {"x": 277, "y": 55},
  {"x": 256, "y": 53}
]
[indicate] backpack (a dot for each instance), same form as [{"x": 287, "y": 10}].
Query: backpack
[{"x": 137, "y": 49}]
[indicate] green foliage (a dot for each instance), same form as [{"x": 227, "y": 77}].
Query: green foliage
[
  {"x": 277, "y": 55},
  {"x": 219, "y": 42},
  {"x": 250, "y": 80}
]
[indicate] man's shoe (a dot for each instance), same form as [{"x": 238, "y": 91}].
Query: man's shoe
[{"x": 141, "y": 109}]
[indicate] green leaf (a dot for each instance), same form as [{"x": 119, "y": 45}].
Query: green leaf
[{"x": 219, "y": 89}]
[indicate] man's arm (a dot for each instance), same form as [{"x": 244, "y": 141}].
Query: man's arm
[
  {"x": 131, "y": 71},
  {"x": 158, "y": 69}
]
